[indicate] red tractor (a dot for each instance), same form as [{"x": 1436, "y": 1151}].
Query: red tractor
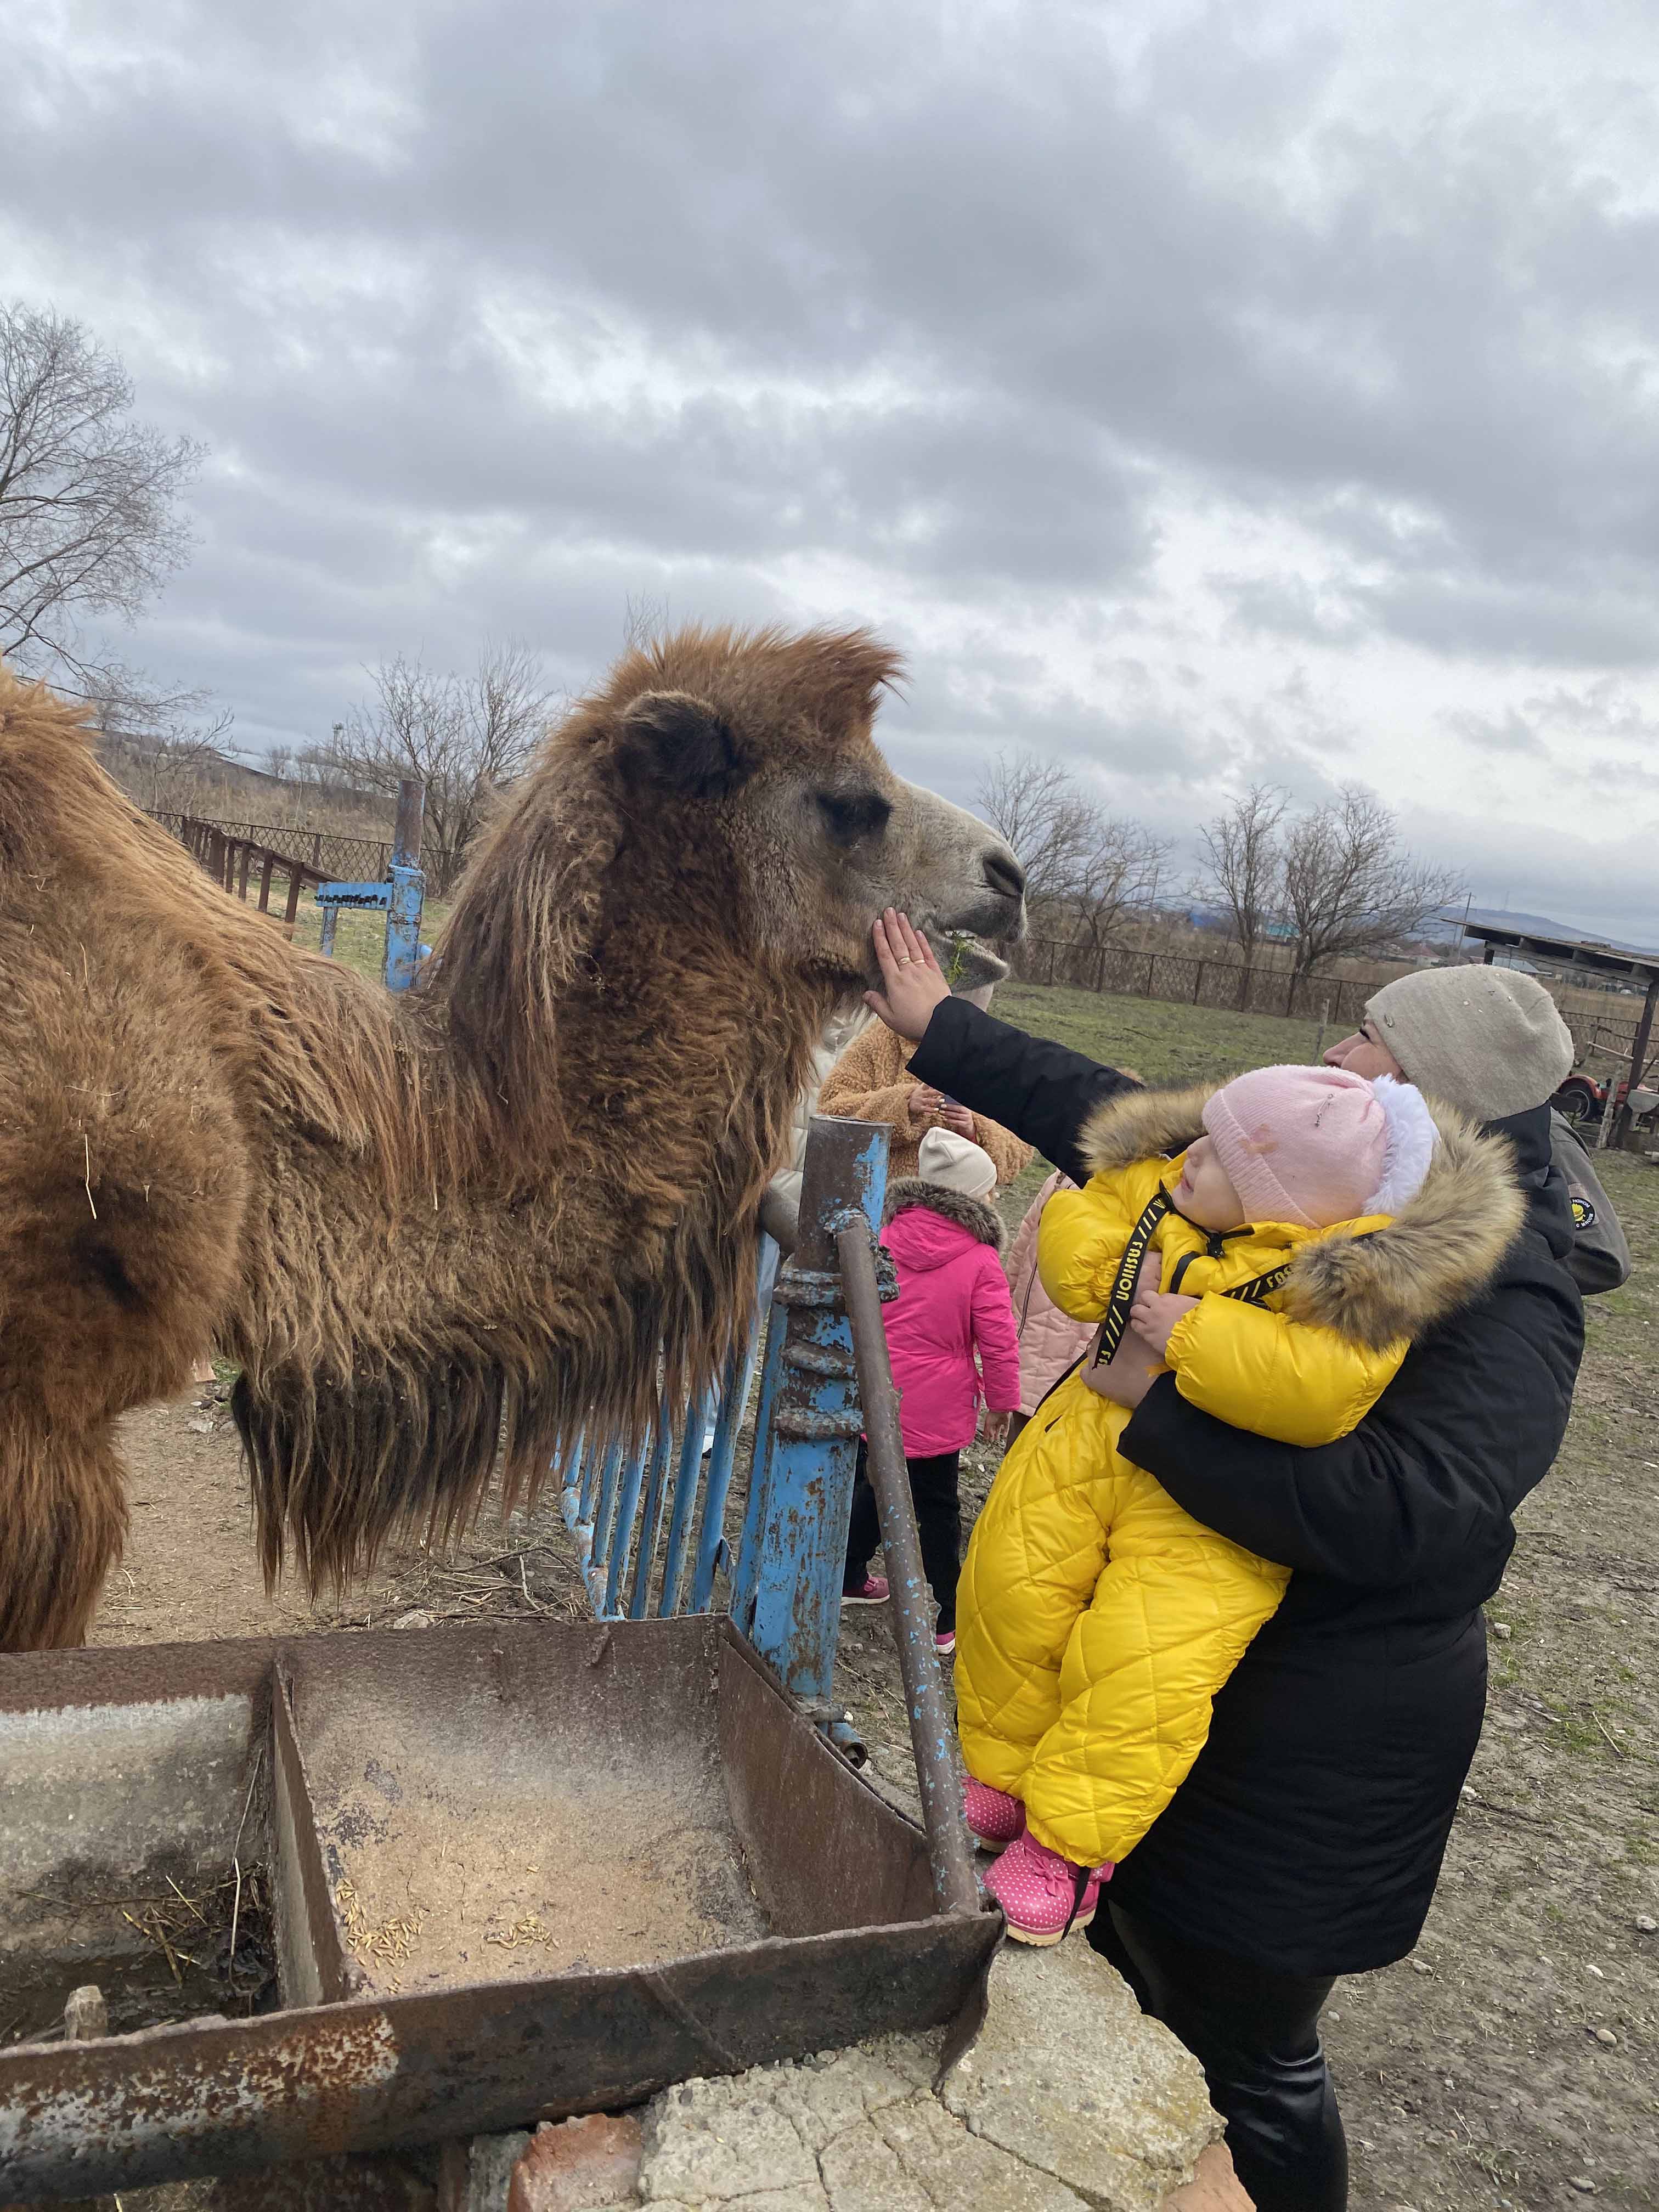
[{"x": 1583, "y": 1101}]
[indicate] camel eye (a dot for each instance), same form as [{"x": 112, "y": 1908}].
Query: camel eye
[{"x": 850, "y": 817}]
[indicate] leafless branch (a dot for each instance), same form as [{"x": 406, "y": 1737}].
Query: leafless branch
[
  {"x": 89, "y": 518},
  {"x": 1349, "y": 886},
  {"x": 1241, "y": 870},
  {"x": 463, "y": 736}
]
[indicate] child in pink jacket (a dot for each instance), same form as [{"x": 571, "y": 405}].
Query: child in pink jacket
[{"x": 946, "y": 1241}]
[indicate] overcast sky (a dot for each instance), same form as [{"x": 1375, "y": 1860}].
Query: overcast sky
[{"x": 1199, "y": 393}]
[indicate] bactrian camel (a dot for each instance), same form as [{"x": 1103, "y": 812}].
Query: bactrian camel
[{"x": 472, "y": 1216}]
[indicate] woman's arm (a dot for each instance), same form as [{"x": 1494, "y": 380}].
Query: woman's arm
[
  {"x": 1041, "y": 1091},
  {"x": 1469, "y": 1427}
]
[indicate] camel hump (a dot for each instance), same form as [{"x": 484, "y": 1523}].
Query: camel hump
[{"x": 123, "y": 1179}]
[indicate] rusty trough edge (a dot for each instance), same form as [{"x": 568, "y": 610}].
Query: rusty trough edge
[
  {"x": 372, "y": 2074},
  {"x": 375, "y": 2074}
]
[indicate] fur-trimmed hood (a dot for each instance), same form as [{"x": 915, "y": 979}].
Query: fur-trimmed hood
[
  {"x": 982, "y": 1222},
  {"x": 1373, "y": 1280}
]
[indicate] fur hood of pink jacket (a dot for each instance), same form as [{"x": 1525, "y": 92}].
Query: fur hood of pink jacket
[{"x": 1049, "y": 1340}]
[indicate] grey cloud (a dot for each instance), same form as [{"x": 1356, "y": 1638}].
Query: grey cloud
[
  {"x": 1508, "y": 733},
  {"x": 970, "y": 319}
]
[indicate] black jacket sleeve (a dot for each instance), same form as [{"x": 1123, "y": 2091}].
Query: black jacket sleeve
[
  {"x": 1043, "y": 1091},
  {"x": 1471, "y": 1423}
]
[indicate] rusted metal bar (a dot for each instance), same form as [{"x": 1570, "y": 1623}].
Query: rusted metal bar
[
  {"x": 954, "y": 1883},
  {"x": 406, "y": 833},
  {"x": 1637, "y": 1058},
  {"x": 266, "y": 866},
  {"x": 293, "y": 886}
]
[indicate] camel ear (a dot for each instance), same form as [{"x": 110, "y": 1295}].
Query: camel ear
[{"x": 680, "y": 741}]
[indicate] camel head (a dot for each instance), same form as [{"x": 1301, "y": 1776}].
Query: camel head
[
  {"x": 761, "y": 746},
  {"x": 720, "y": 798}
]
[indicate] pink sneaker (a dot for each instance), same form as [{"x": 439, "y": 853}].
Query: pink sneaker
[
  {"x": 1043, "y": 1896},
  {"x": 994, "y": 1819},
  {"x": 944, "y": 1642},
  {"x": 873, "y": 1590}
]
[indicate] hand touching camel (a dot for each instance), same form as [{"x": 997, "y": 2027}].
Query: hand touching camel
[{"x": 912, "y": 982}]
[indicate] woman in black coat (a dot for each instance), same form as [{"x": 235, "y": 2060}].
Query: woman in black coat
[{"x": 1306, "y": 1841}]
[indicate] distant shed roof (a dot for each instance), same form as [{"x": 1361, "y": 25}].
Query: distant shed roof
[{"x": 1565, "y": 950}]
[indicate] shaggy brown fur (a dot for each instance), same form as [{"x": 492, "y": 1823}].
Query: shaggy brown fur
[
  {"x": 487, "y": 1208},
  {"x": 1437, "y": 1253}
]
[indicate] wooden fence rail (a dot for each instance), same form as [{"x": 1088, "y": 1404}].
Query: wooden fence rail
[
  {"x": 328, "y": 855},
  {"x": 231, "y": 858}
]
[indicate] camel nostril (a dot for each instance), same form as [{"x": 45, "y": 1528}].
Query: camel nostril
[{"x": 1003, "y": 873}]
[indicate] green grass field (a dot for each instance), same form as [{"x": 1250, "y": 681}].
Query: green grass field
[
  {"x": 1165, "y": 1042},
  {"x": 360, "y": 939}
]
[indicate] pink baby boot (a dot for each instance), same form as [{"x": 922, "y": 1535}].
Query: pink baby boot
[
  {"x": 1043, "y": 1896},
  {"x": 994, "y": 1819}
]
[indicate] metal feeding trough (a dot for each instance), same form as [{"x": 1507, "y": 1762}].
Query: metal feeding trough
[{"x": 455, "y": 1881}]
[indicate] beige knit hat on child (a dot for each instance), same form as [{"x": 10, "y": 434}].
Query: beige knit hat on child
[{"x": 956, "y": 1162}]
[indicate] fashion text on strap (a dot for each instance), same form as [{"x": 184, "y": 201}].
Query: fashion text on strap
[{"x": 1116, "y": 1318}]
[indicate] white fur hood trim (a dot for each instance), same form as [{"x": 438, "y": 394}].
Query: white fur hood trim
[{"x": 1410, "y": 1144}]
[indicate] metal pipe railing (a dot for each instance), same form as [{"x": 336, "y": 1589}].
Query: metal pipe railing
[{"x": 955, "y": 1886}]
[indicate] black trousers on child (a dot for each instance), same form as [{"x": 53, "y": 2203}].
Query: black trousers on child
[
  {"x": 939, "y": 1524},
  {"x": 1256, "y": 2033}
]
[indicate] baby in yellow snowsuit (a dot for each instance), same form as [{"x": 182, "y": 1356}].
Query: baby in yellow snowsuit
[{"x": 1292, "y": 1252}]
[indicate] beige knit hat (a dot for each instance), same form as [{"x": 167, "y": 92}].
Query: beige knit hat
[
  {"x": 956, "y": 1162},
  {"x": 1488, "y": 1040}
]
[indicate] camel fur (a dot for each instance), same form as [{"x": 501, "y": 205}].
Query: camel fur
[{"x": 512, "y": 1203}]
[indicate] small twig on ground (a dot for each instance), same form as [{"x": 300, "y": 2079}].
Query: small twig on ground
[
  {"x": 235, "y": 1914},
  {"x": 1618, "y": 1747},
  {"x": 253, "y": 1784},
  {"x": 189, "y": 1903},
  {"x": 86, "y": 1141}
]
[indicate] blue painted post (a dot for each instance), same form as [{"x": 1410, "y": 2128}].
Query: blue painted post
[
  {"x": 331, "y": 923},
  {"x": 788, "y": 1601},
  {"x": 403, "y": 915}
]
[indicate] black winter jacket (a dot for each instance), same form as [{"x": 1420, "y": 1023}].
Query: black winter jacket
[{"x": 1309, "y": 1834}]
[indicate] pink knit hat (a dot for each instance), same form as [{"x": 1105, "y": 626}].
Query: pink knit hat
[{"x": 1303, "y": 1145}]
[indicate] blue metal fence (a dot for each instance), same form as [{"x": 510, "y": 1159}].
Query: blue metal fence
[
  {"x": 780, "y": 1576},
  {"x": 401, "y": 897}
]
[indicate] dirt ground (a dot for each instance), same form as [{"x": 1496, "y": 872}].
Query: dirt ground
[{"x": 1514, "y": 2062}]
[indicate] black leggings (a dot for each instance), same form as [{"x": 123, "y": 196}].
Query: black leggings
[
  {"x": 939, "y": 1524},
  {"x": 1256, "y": 2033}
]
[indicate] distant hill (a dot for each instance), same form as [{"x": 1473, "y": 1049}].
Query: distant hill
[{"x": 1452, "y": 919}]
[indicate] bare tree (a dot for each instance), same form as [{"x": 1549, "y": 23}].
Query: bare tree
[
  {"x": 1118, "y": 877},
  {"x": 1349, "y": 886},
  {"x": 1241, "y": 850},
  {"x": 1035, "y": 805},
  {"x": 462, "y": 737},
  {"x": 88, "y": 520}
]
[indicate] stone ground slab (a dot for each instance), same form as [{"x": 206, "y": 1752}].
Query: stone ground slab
[
  {"x": 1069, "y": 2076},
  {"x": 1068, "y": 2101}
]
